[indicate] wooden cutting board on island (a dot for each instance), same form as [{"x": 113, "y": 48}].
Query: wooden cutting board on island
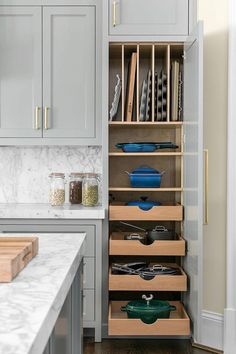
[{"x": 15, "y": 254}]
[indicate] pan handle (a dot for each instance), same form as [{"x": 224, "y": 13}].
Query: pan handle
[{"x": 134, "y": 226}]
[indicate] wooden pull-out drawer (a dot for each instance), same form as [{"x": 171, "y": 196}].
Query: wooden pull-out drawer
[
  {"x": 119, "y": 324},
  {"x": 156, "y": 213},
  {"x": 120, "y": 247},
  {"x": 126, "y": 282}
]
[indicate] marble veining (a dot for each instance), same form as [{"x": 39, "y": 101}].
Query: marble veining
[
  {"x": 25, "y": 170},
  {"x": 46, "y": 211},
  {"x": 30, "y": 305}
]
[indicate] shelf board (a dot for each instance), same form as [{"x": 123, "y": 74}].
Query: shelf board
[
  {"x": 146, "y": 124},
  {"x": 129, "y": 189},
  {"x": 126, "y": 154}
]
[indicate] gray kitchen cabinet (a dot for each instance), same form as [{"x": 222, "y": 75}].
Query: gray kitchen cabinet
[
  {"x": 49, "y": 75},
  {"x": 67, "y": 335},
  {"x": 92, "y": 263},
  {"x": 20, "y": 72},
  {"x": 69, "y": 62},
  {"x": 152, "y": 17},
  {"x": 62, "y": 333}
]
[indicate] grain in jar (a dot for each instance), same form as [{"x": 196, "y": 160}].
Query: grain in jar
[
  {"x": 75, "y": 188},
  {"x": 90, "y": 189},
  {"x": 57, "y": 189}
]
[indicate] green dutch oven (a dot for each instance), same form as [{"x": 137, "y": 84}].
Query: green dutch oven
[{"x": 148, "y": 310}]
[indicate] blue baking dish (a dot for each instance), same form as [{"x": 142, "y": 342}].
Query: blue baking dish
[
  {"x": 145, "y": 147},
  {"x": 145, "y": 177},
  {"x": 143, "y": 203}
]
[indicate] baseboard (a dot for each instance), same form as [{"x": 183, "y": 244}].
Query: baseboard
[
  {"x": 229, "y": 331},
  {"x": 213, "y": 330}
]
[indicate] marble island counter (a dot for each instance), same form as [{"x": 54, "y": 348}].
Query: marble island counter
[
  {"x": 31, "y": 304},
  {"x": 46, "y": 211}
]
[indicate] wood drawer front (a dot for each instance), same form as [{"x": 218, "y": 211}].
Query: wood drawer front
[
  {"x": 119, "y": 324},
  {"x": 88, "y": 305},
  {"x": 159, "y": 283},
  {"x": 157, "y": 213},
  {"x": 157, "y": 17},
  {"x": 120, "y": 247},
  {"x": 89, "y": 273}
]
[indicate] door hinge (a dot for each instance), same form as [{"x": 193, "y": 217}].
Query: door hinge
[{"x": 184, "y": 55}]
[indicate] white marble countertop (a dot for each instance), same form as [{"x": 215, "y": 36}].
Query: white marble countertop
[
  {"x": 46, "y": 211},
  {"x": 30, "y": 305}
]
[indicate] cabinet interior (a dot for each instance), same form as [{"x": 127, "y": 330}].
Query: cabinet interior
[{"x": 156, "y": 58}]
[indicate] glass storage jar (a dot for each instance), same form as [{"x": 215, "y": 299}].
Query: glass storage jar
[
  {"x": 75, "y": 188},
  {"x": 90, "y": 189},
  {"x": 57, "y": 189}
]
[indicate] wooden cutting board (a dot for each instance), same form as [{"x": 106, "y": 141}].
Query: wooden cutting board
[{"x": 15, "y": 254}]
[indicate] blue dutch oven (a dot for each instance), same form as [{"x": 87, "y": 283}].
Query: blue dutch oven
[
  {"x": 145, "y": 177},
  {"x": 143, "y": 203}
]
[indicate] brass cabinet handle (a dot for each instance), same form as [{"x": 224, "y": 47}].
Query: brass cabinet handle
[
  {"x": 114, "y": 13},
  {"x": 36, "y": 118},
  {"x": 46, "y": 118},
  {"x": 206, "y": 183}
]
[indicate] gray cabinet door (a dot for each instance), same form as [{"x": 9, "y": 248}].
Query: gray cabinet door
[
  {"x": 69, "y": 61},
  {"x": 193, "y": 176},
  {"x": 148, "y": 17},
  {"x": 20, "y": 71}
]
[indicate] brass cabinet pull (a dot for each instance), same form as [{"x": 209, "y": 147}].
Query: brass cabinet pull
[
  {"x": 114, "y": 13},
  {"x": 46, "y": 118},
  {"x": 206, "y": 182},
  {"x": 36, "y": 118}
]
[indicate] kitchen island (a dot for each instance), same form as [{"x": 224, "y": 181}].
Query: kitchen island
[{"x": 41, "y": 309}]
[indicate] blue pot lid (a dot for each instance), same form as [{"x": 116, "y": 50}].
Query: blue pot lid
[{"x": 145, "y": 170}]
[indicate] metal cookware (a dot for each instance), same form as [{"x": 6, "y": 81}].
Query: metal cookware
[
  {"x": 147, "y": 272},
  {"x": 147, "y": 309},
  {"x": 158, "y": 233},
  {"x": 145, "y": 177}
]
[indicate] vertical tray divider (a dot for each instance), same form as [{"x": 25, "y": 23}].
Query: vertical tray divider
[
  {"x": 153, "y": 82},
  {"x": 123, "y": 82},
  {"x": 168, "y": 81}
]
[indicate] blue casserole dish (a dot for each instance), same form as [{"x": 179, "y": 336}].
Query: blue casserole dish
[
  {"x": 145, "y": 177},
  {"x": 143, "y": 203},
  {"x": 145, "y": 147}
]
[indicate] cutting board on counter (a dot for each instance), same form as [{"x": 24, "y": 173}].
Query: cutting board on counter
[{"x": 15, "y": 254}]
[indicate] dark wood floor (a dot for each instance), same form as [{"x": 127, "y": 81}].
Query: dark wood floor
[{"x": 122, "y": 346}]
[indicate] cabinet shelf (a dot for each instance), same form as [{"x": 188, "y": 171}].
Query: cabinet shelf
[
  {"x": 129, "y": 189},
  {"x": 119, "y": 324},
  {"x": 125, "y": 282},
  {"x": 118, "y": 246},
  {"x": 146, "y": 124},
  {"x": 127, "y": 154}
]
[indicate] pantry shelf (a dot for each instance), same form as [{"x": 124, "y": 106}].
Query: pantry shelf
[
  {"x": 147, "y": 124},
  {"x": 129, "y": 189},
  {"x": 127, "y": 154}
]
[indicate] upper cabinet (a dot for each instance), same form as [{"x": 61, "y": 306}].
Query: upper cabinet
[
  {"x": 20, "y": 71},
  {"x": 152, "y": 17},
  {"x": 49, "y": 75},
  {"x": 69, "y": 62}
]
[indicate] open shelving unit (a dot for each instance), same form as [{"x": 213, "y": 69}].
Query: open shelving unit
[{"x": 154, "y": 57}]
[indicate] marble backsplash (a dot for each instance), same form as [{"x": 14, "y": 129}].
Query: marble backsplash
[{"x": 24, "y": 170}]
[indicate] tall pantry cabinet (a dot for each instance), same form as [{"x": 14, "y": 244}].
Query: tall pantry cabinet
[{"x": 157, "y": 41}]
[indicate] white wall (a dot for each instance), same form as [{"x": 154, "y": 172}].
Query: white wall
[{"x": 215, "y": 17}]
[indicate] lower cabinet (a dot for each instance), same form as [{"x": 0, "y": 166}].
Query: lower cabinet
[
  {"x": 92, "y": 263},
  {"x": 67, "y": 335}
]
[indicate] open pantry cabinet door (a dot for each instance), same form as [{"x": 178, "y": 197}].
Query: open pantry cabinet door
[{"x": 193, "y": 176}]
